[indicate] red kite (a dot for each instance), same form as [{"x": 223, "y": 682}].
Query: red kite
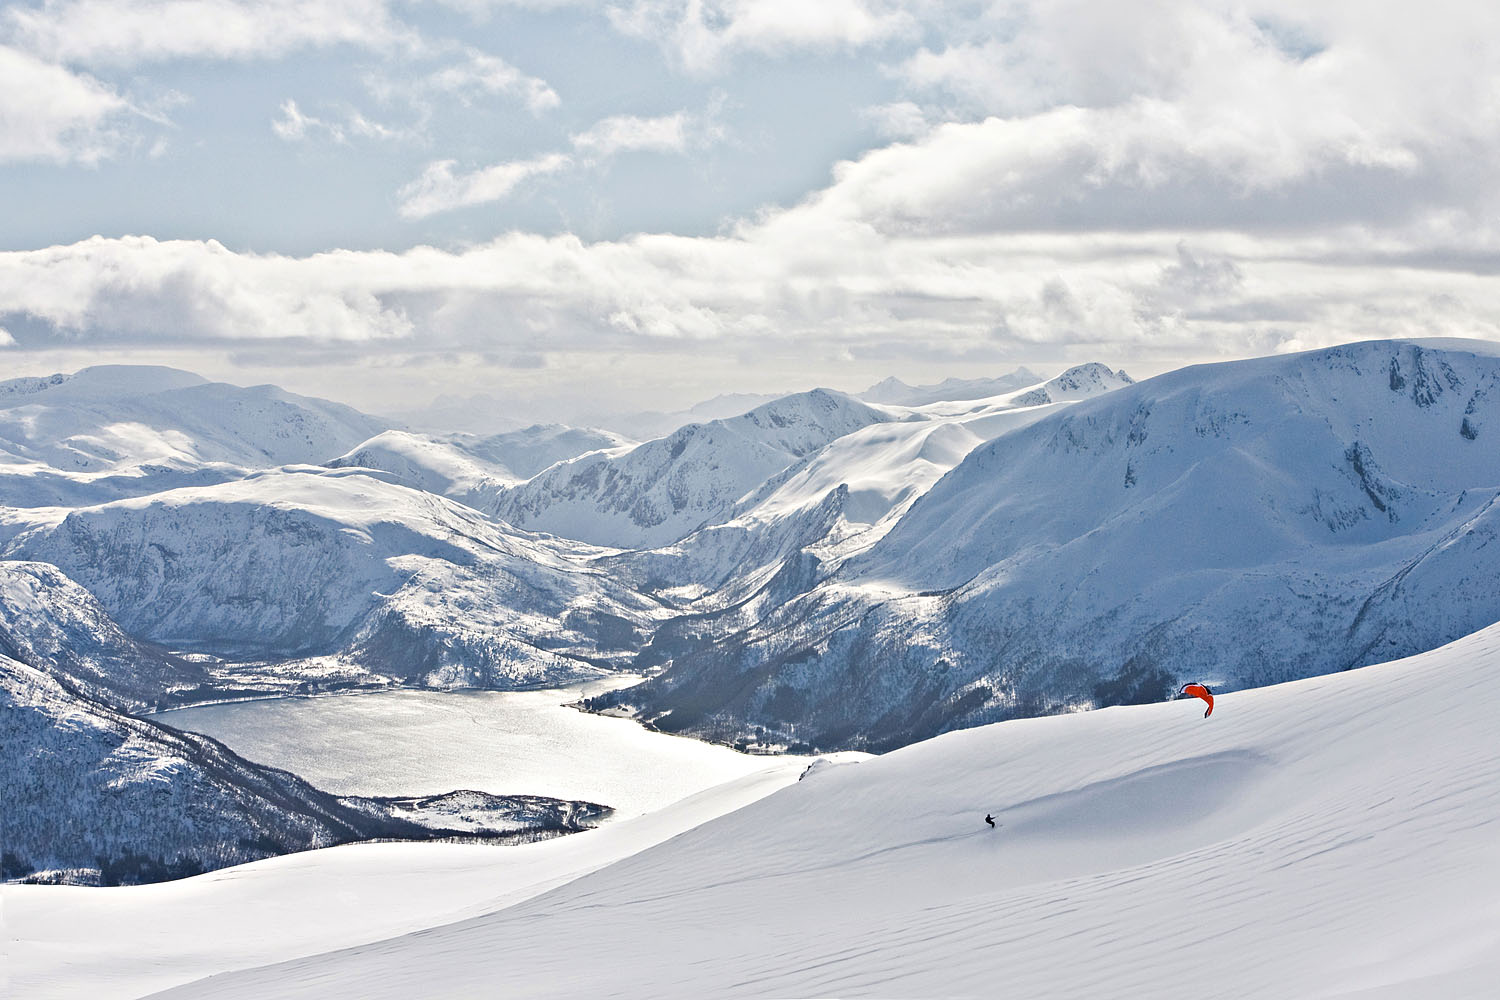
[{"x": 1199, "y": 691}]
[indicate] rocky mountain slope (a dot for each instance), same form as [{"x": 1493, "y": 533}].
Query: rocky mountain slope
[
  {"x": 94, "y": 794},
  {"x": 665, "y": 489},
  {"x": 47, "y": 619},
  {"x": 1240, "y": 524},
  {"x": 308, "y": 562}
]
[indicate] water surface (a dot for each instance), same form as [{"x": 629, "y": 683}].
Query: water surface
[{"x": 505, "y": 742}]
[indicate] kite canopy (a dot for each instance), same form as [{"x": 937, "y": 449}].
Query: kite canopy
[{"x": 1200, "y": 691}]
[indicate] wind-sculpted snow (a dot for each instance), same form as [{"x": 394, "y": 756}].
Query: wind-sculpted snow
[
  {"x": 118, "y": 431},
  {"x": 309, "y": 562},
  {"x": 1240, "y": 524},
  {"x": 663, "y": 490}
]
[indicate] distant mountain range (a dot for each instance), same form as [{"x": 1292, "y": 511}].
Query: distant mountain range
[
  {"x": 819, "y": 570},
  {"x": 898, "y": 393},
  {"x": 1240, "y": 524}
]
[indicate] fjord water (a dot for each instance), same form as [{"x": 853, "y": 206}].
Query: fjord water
[{"x": 504, "y": 742}]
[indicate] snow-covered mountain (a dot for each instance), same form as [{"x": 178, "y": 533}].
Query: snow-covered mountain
[
  {"x": 47, "y": 618},
  {"x": 469, "y": 468},
  {"x": 895, "y": 392},
  {"x": 801, "y": 524},
  {"x": 1331, "y": 837},
  {"x": 94, "y": 795},
  {"x": 1242, "y": 524},
  {"x": 307, "y": 561},
  {"x": 1076, "y": 383},
  {"x": 656, "y": 423},
  {"x": 115, "y": 431},
  {"x": 665, "y": 489}
]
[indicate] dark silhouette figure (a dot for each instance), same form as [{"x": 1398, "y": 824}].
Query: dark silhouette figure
[{"x": 989, "y": 819}]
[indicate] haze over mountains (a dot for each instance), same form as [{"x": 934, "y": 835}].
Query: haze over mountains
[{"x": 818, "y": 572}]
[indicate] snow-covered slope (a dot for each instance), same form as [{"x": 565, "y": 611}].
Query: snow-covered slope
[
  {"x": 525, "y": 452},
  {"x": 895, "y": 392},
  {"x": 1245, "y": 523},
  {"x": 663, "y": 490},
  {"x": 45, "y": 618},
  {"x": 1331, "y": 837},
  {"x": 1079, "y": 382},
  {"x": 469, "y": 468},
  {"x": 78, "y": 943},
  {"x": 423, "y": 462},
  {"x": 94, "y": 795},
  {"x": 308, "y": 561},
  {"x": 801, "y": 524},
  {"x": 114, "y": 431}
]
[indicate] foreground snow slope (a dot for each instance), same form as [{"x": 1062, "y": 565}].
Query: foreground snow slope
[
  {"x": 91, "y": 944},
  {"x": 1322, "y": 838}
]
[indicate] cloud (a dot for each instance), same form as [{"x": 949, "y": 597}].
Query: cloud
[
  {"x": 793, "y": 281},
  {"x": 481, "y": 74},
  {"x": 627, "y": 133},
  {"x": 292, "y": 125},
  {"x": 1187, "y": 181},
  {"x": 48, "y": 113},
  {"x": 439, "y": 189},
  {"x": 702, "y": 35},
  {"x": 1090, "y": 105},
  {"x": 132, "y": 32}
]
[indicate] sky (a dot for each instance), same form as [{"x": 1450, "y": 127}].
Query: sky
[{"x": 558, "y": 209}]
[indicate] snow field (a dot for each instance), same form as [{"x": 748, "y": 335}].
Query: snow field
[
  {"x": 1333, "y": 837},
  {"x": 67, "y": 942}
]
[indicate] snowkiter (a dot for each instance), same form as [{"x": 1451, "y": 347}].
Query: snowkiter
[
  {"x": 989, "y": 819},
  {"x": 1199, "y": 691}
]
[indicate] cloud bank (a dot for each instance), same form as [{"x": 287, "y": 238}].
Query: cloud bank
[{"x": 1075, "y": 178}]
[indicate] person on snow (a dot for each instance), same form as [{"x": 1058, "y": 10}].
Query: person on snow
[
  {"x": 1199, "y": 691},
  {"x": 989, "y": 819}
]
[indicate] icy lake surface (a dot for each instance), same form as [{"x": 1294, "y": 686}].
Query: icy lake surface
[{"x": 505, "y": 742}]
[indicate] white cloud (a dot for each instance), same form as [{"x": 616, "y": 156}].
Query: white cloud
[
  {"x": 292, "y": 125},
  {"x": 49, "y": 113},
  {"x": 131, "y": 32},
  {"x": 1187, "y": 180},
  {"x": 481, "y": 74},
  {"x": 627, "y": 133},
  {"x": 801, "y": 280},
  {"x": 144, "y": 290},
  {"x": 439, "y": 189},
  {"x": 900, "y": 120},
  {"x": 703, "y": 34}
]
